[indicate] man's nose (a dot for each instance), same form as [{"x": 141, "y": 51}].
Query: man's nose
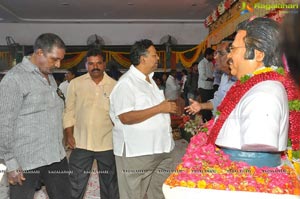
[{"x": 57, "y": 64}]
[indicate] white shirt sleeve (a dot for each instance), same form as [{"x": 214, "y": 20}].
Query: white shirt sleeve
[{"x": 122, "y": 99}]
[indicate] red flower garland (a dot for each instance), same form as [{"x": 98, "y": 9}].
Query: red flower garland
[{"x": 239, "y": 89}]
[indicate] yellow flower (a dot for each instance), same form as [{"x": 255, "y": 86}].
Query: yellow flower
[
  {"x": 297, "y": 167},
  {"x": 260, "y": 180},
  {"x": 289, "y": 153},
  {"x": 222, "y": 187},
  {"x": 201, "y": 184},
  {"x": 251, "y": 189},
  {"x": 191, "y": 184},
  {"x": 218, "y": 170},
  {"x": 183, "y": 183},
  {"x": 231, "y": 187},
  {"x": 252, "y": 170},
  {"x": 263, "y": 70},
  {"x": 277, "y": 190},
  {"x": 179, "y": 167}
]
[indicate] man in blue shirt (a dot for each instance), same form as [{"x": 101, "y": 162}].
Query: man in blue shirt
[{"x": 226, "y": 82}]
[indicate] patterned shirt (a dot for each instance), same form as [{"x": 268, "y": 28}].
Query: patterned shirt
[{"x": 30, "y": 118}]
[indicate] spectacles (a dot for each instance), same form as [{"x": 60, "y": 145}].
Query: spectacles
[
  {"x": 231, "y": 48},
  {"x": 60, "y": 94},
  {"x": 147, "y": 54},
  {"x": 221, "y": 53},
  {"x": 153, "y": 55}
]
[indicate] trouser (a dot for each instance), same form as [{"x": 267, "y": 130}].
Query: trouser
[
  {"x": 4, "y": 188},
  {"x": 81, "y": 162},
  {"x": 205, "y": 96},
  {"x": 143, "y": 174},
  {"x": 54, "y": 176}
]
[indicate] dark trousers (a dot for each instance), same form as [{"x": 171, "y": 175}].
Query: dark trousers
[
  {"x": 81, "y": 162},
  {"x": 54, "y": 176},
  {"x": 205, "y": 96}
]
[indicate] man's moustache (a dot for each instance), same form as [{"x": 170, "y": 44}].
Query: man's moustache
[
  {"x": 96, "y": 69},
  {"x": 51, "y": 70}
]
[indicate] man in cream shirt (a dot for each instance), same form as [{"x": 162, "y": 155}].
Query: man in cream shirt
[
  {"x": 88, "y": 128},
  {"x": 142, "y": 133}
]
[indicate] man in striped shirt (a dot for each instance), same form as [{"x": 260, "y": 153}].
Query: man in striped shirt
[{"x": 31, "y": 128}]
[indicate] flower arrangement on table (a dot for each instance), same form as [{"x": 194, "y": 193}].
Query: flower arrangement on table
[
  {"x": 176, "y": 120},
  {"x": 191, "y": 125},
  {"x": 206, "y": 166}
]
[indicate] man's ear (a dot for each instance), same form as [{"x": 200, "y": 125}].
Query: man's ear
[
  {"x": 104, "y": 63},
  {"x": 39, "y": 52},
  {"x": 86, "y": 65},
  {"x": 142, "y": 59},
  {"x": 259, "y": 55}
]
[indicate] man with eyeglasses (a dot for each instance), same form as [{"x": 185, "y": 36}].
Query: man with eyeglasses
[
  {"x": 31, "y": 128},
  {"x": 257, "y": 126},
  {"x": 142, "y": 134},
  {"x": 226, "y": 82}
]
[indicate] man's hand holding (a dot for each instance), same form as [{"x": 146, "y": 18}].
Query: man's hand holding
[{"x": 168, "y": 106}]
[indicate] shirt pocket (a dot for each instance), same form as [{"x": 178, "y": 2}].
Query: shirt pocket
[
  {"x": 106, "y": 102},
  {"x": 142, "y": 102},
  {"x": 161, "y": 95},
  {"x": 34, "y": 102}
]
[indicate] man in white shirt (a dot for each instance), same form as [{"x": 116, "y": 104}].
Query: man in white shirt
[
  {"x": 142, "y": 137},
  {"x": 71, "y": 74},
  {"x": 172, "y": 86},
  {"x": 206, "y": 80}
]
